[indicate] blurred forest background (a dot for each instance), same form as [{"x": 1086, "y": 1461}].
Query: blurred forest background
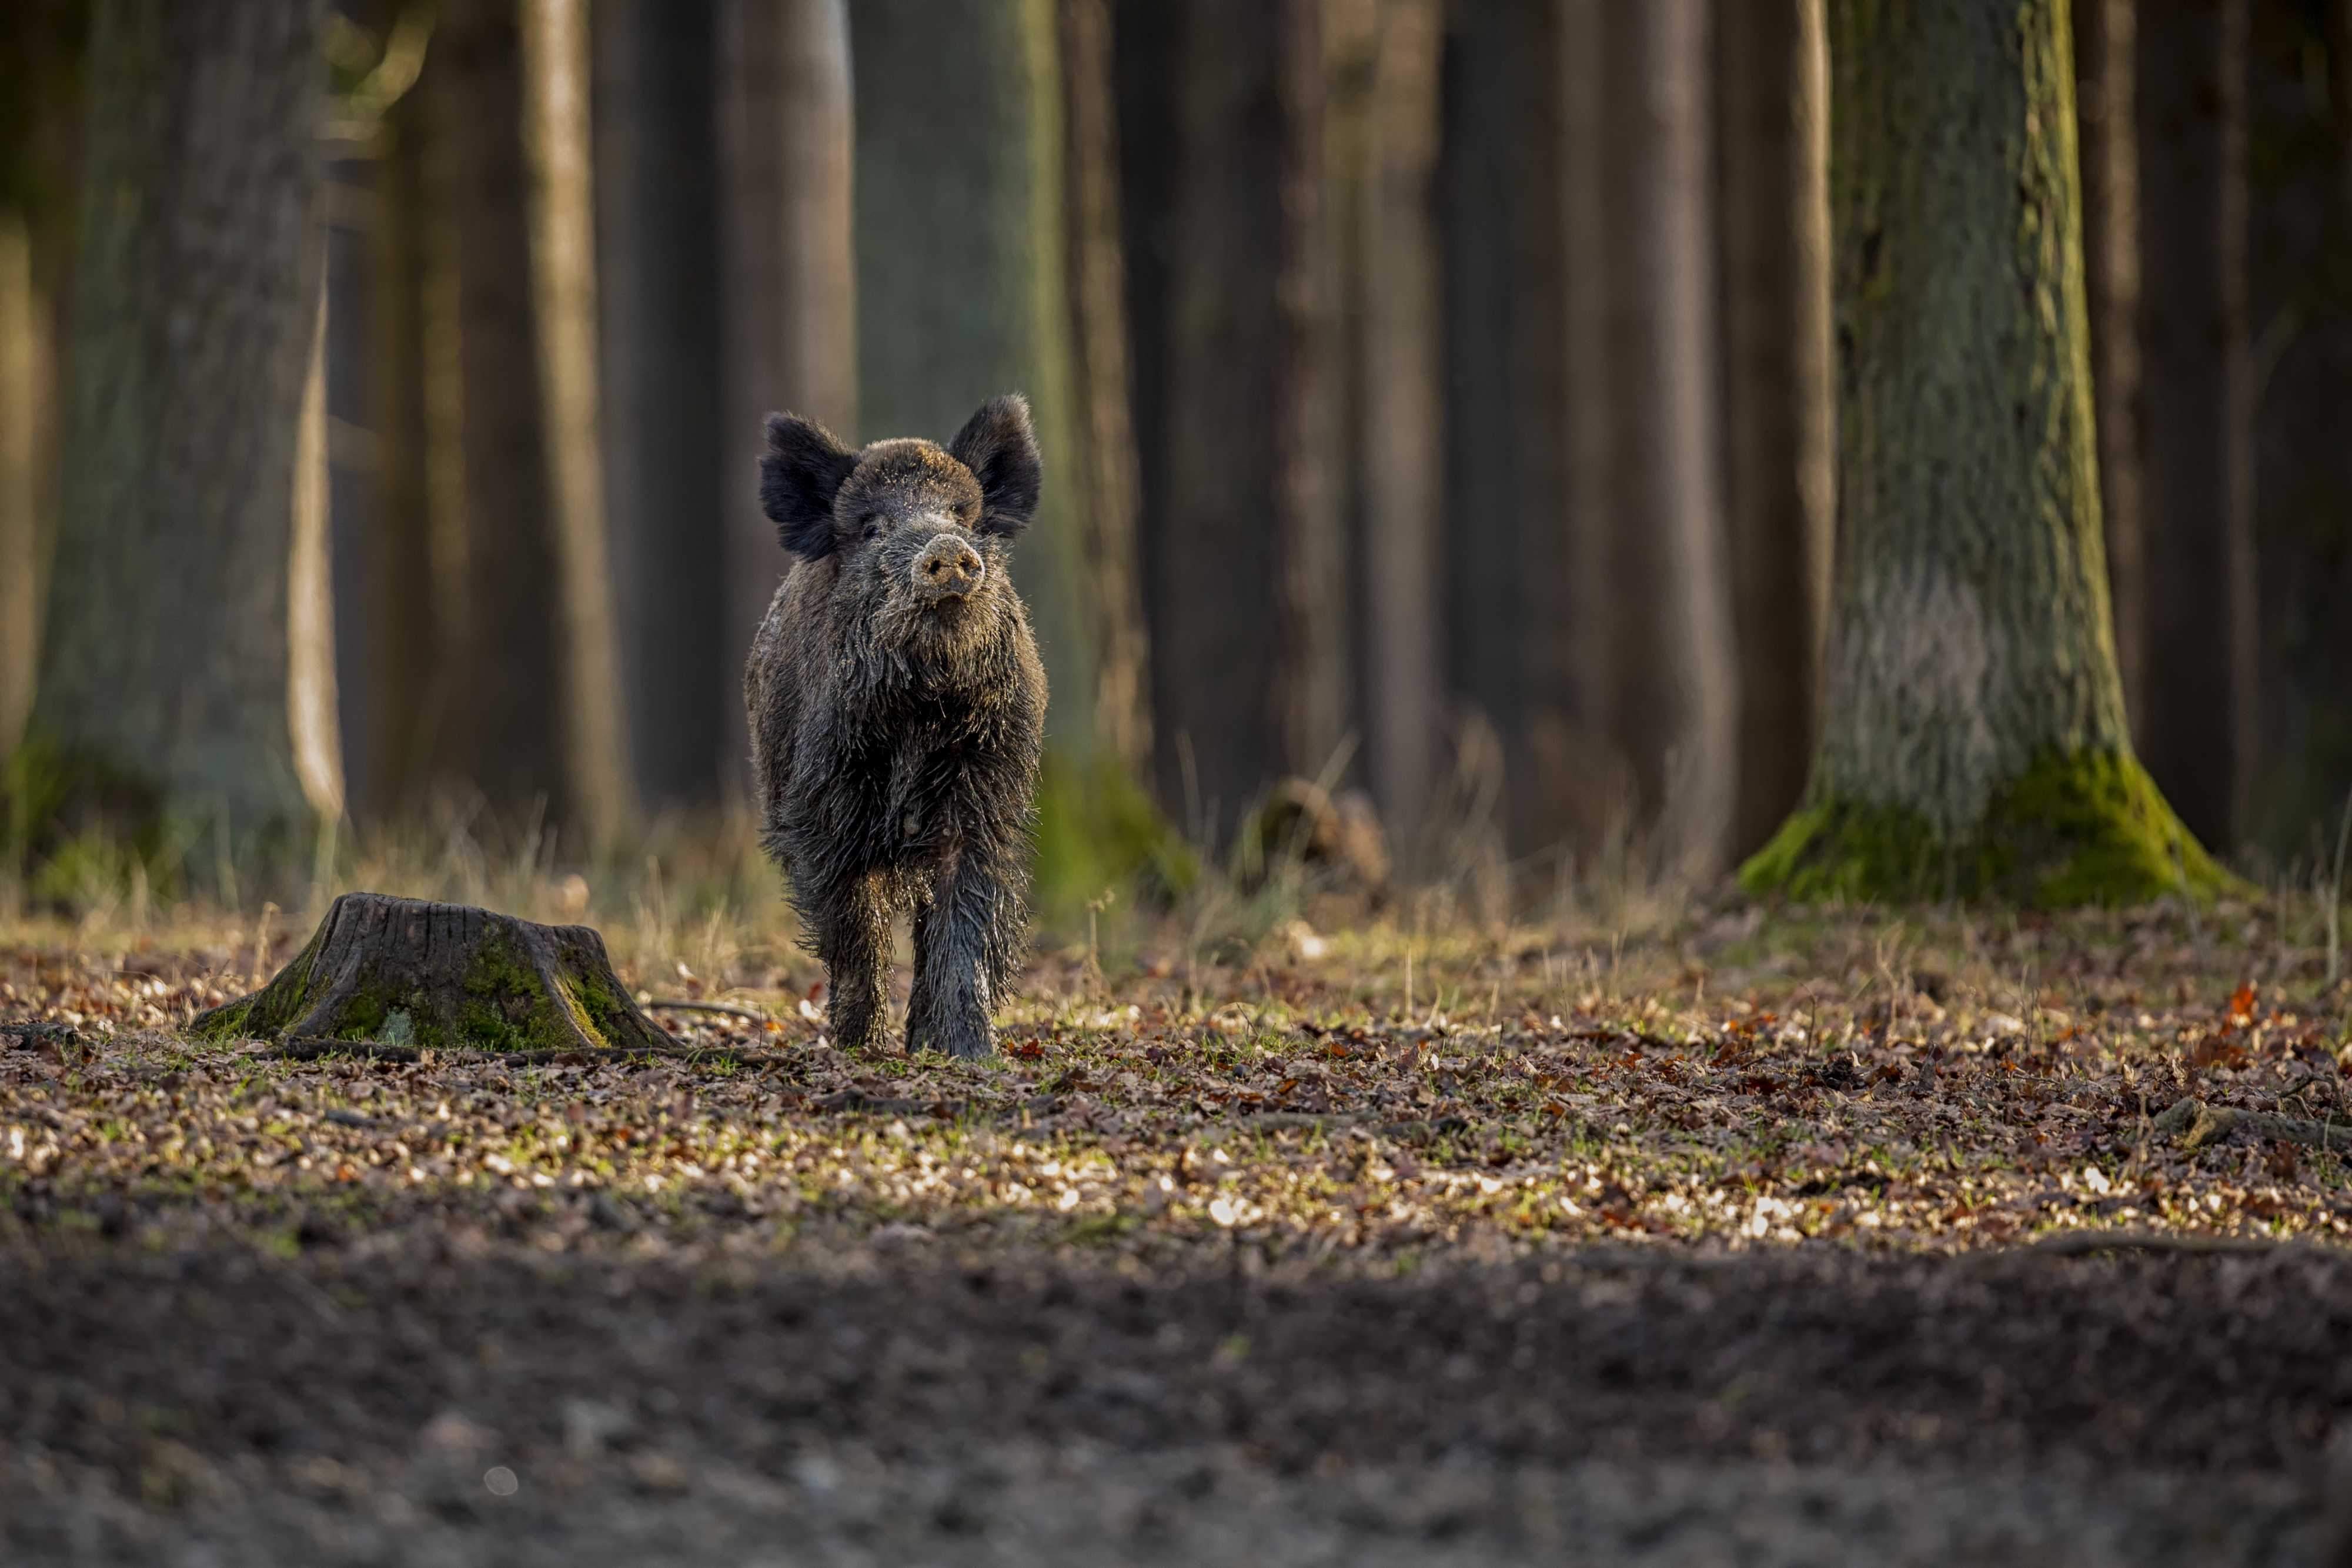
[{"x": 1437, "y": 394}]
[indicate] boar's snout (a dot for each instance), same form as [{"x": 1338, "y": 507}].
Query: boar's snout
[{"x": 948, "y": 568}]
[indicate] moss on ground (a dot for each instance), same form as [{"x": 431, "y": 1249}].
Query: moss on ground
[{"x": 2091, "y": 828}]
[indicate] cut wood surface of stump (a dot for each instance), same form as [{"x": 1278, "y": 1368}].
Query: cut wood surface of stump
[{"x": 405, "y": 973}]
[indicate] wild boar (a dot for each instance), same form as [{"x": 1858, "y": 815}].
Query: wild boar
[{"x": 897, "y": 710}]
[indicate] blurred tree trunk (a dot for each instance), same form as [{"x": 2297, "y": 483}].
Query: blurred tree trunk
[
  {"x": 406, "y": 611},
  {"x": 1660, "y": 642},
  {"x": 2198, "y": 564},
  {"x": 2105, "y": 76},
  {"x": 516, "y": 485},
  {"x": 1549, "y": 605},
  {"x": 2300, "y": 285},
  {"x": 1482, "y": 315},
  {"x": 164, "y": 669},
  {"x": 311, "y": 686},
  {"x": 556, "y": 146},
  {"x": 27, "y": 390},
  {"x": 1243, "y": 569},
  {"x": 1108, "y": 501},
  {"x": 665, "y": 439},
  {"x": 1973, "y": 740},
  {"x": 790, "y": 314},
  {"x": 960, "y": 251},
  {"x": 492, "y": 510},
  {"x": 1403, "y": 420},
  {"x": 1771, "y": 74}
]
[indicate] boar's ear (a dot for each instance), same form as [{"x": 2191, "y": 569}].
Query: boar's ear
[
  {"x": 1000, "y": 447},
  {"x": 799, "y": 476}
]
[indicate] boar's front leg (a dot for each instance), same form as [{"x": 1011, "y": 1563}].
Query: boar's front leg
[
  {"x": 853, "y": 940},
  {"x": 961, "y": 953}
]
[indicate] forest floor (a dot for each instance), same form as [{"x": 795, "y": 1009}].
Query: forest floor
[{"x": 1798, "y": 1239}]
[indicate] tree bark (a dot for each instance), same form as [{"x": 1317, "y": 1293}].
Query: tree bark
[
  {"x": 665, "y": 439},
  {"x": 2105, "y": 76},
  {"x": 790, "y": 308},
  {"x": 1403, "y": 425},
  {"x": 1771, "y": 75},
  {"x": 1658, "y": 647},
  {"x": 1973, "y": 740},
  {"x": 405, "y": 973},
  {"x": 195, "y": 294},
  {"x": 1110, "y": 500},
  {"x": 2199, "y": 726},
  {"x": 1243, "y": 565}
]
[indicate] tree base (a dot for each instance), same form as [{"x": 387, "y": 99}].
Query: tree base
[
  {"x": 2090, "y": 829},
  {"x": 403, "y": 972}
]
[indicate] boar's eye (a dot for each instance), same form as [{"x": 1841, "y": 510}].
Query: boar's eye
[{"x": 872, "y": 528}]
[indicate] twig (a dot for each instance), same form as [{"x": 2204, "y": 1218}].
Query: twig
[{"x": 727, "y": 1008}]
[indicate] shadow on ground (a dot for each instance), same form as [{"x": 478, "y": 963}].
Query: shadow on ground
[{"x": 401, "y": 1399}]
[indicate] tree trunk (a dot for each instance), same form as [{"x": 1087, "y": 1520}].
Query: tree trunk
[
  {"x": 27, "y": 389},
  {"x": 401, "y": 972},
  {"x": 404, "y": 613},
  {"x": 1108, "y": 502},
  {"x": 1771, "y": 74},
  {"x": 195, "y": 296},
  {"x": 1402, "y": 440},
  {"x": 1484, "y": 629},
  {"x": 563, "y": 294},
  {"x": 1659, "y": 644},
  {"x": 311, "y": 714},
  {"x": 960, "y": 269},
  {"x": 1243, "y": 567},
  {"x": 1550, "y": 603},
  {"x": 1972, "y": 739},
  {"x": 2199, "y": 726},
  {"x": 2105, "y": 78},
  {"x": 495, "y": 556},
  {"x": 665, "y": 437},
  {"x": 2300, "y": 287},
  {"x": 790, "y": 315}
]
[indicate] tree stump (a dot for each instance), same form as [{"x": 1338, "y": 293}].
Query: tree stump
[{"x": 402, "y": 972}]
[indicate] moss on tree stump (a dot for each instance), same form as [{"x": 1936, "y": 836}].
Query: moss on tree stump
[{"x": 405, "y": 972}]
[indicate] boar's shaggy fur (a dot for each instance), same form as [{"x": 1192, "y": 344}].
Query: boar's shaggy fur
[{"x": 897, "y": 706}]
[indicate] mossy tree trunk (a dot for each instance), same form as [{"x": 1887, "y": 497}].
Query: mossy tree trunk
[
  {"x": 2197, "y": 726},
  {"x": 163, "y": 677},
  {"x": 405, "y": 973},
  {"x": 1973, "y": 739}
]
